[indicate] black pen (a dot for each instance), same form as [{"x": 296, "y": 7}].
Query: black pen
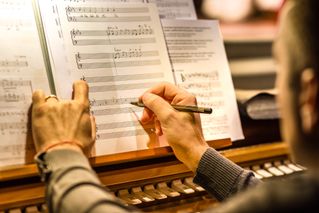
[{"x": 182, "y": 108}]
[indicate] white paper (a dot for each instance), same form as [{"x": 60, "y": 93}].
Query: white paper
[
  {"x": 200, "y": 66},
  {"x": 177, "y": 9},
  {"x": 119, "y": 49},
  {"x": 22, "y": 69}
]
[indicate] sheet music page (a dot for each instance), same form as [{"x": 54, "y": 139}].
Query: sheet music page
[
  {"x": 177, "y": 9},
  {"x": 119, "y": 49},
  {"x": 53, "y": 32},
  {"x": 200, "y": 66},
  {"x": 21, "y": 69}
]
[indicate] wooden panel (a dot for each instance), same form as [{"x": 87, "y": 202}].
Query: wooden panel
[{"x": 24, "y": 171}]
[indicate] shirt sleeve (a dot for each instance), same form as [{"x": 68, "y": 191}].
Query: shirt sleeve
[
  {"x": 74, "y": 187},
  {"x": 221, "y": 177}
]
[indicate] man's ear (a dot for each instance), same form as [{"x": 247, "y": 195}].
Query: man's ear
[{"x": 309, "y": 100}]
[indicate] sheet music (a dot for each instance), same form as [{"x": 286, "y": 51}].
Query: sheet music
[
  {"x": 15, "y": 96},
  {"x": 177, "y": 9},
  {"x": 21, "y": 69},
  {"x": 119, "y": 49},
  {"x": 200, "y": 66}
]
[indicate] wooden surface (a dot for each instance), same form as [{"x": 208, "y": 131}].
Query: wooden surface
[{"x": 30, "y": 170}]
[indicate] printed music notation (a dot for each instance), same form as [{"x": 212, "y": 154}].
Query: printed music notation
[
  {"x": 116, "y": 125},
  {"x": 17, "y": 113},
  {"x": 117, "y": 78},
  {"x": 89, "y": 42},
  {"x": 193, "y": 44},
  {"x": 125, "y": 10},
  {"x": 14, "y": 63},
  {"x": 12, "y": 97},
  {"x": 107, "y": 88},
  {"x": 123, "y": 134},
  {"x": 115, "y": 31},
  {"x": 119, "y": 50},
  {"x": 117, "y": 54},
  {"x": 126, "y": 64},
  {"x": 113, "y": 101},
  {"x": 12, "y": 126},
  {"x": 14, "y": 93},
  {"x": 100, "y": 14},
  {"x": 5, "y": 83}
]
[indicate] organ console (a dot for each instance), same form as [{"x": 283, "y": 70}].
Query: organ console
[{"x": 154, "y": 180}]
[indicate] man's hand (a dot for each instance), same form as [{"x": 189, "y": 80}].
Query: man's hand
[
  {"x": 55, "y": 121},
  {"x": 182, "y": 130}
]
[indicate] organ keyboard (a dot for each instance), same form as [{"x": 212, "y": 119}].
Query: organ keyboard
[{"x": 160, "y": 184}]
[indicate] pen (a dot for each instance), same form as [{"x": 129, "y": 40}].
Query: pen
[{"x": 182, "y": 108}]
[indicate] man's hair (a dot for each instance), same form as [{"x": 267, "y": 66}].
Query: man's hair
[{"x": 303, "y": 21}]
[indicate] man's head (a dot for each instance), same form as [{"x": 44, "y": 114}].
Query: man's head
[{"x": 296, "y": 51}]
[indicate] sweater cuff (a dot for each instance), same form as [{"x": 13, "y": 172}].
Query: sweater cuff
[
  {"x": 63, "y": 158},
  {"x": 217, "y": 174}
]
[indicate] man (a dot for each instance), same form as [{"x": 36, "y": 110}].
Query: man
[{"x": 62, "y": 130}]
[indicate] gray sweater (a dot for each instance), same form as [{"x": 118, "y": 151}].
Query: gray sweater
[{"x": 74, "y": 187}]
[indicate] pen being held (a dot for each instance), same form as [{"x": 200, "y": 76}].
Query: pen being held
[{"x": 182, "y": 108}]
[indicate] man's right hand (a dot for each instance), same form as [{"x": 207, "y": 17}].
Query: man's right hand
[{"x": 182, "y": 130}]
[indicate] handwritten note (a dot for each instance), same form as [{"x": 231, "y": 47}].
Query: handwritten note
[{"x": 200, "y": 66}]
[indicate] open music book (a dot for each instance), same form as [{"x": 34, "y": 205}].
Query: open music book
[{"x": 120, "y": 50}]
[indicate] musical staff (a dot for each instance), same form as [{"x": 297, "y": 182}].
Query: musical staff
[
  {"x": 113, "y": 101},
  {"x": 97, "y": 65},
  {"x": 130, "y": 133},
  {"x": 115, "y": 111},
  {"x": 11, "y": 126},
  {"x": 12, "y": 97},
  {"x": 108, "y": 88},
  {"x": 132, "y": 53},
  {"x": 89, "y": 42},
  {"x": 104, "y": 79},
  {"x": 97, "y": 18},
  {"x": 115, "y": 125},
  {"x": 14, "y": 83},
  {"x": 13, "y": 63},
  {"x": 141, "y": 30},
  {"x": 70, "y": 9}
]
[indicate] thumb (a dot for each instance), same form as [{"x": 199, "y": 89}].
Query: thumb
[{"x": 158, "y": 105}]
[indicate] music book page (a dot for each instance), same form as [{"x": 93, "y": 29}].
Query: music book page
[
  {"x": 200, "y": 66},
  {"x": 177, "y": 9},
  {"x": 119, "y": 49},
  {"x": 22, "y": 69}
]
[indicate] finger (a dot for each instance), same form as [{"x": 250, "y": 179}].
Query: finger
[
  {"x": 81, "y": 92},
  {"x": 93, "y": 126},
  {"x": 158, "y": 128},
  {"x": 166, "y": 90},
  {"x": 38, "y": 97},
  {"x": 147, "y": 116},
  {"x": 158, "y": 105}
]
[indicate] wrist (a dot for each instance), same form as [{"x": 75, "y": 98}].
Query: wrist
[
  {"x": 71, "y": 145},
  {"x": 195, "y": 156},
  {"x": 66, "y": 146}
]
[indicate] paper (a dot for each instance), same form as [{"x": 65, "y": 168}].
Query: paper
[
  {"x": 119, "y": 49},
  {"x": 177, "y": 9},
  {"x": 22, "y": 69},
  {"x": 200, "y": 66}
]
